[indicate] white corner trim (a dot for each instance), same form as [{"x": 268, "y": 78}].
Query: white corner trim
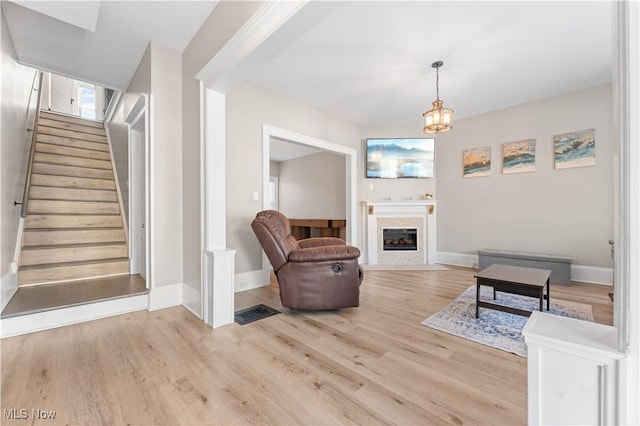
[
  {"x": 165, "y": 296},
  {"x": 250, "y": 280},
  {"x": 73, "y": 315},
  {"x": 9, "y": 287},
  {"x": 191, "y": 299}
]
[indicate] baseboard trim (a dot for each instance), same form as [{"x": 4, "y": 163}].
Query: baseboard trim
[
  {"x": 592, "y": 274},
  {"x": 579, "y": 273},
  {"x": 457, "y": 259},
  {"x": 9, "y": 286},
  {"x": 40, "y": 321},
  {"x": 165, "y": 296},
  {"x": 250, "y": 280},
  {"x": 191, "y": 299}
]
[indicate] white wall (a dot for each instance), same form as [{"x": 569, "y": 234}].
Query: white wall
[
  {"x": 566, "y": 211},
  {"x": 249, "y": 106},
  {"x": 220, "y": 26},
  {"x": 166, "y": 168},
  {"x": 313, "y": 187},
  {"x": 159, "y": 74},
  {"x": 17, "y": 81},
  {"x": 118, "y": 129}
]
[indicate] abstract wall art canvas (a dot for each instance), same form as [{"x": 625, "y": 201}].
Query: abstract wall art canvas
[
  {"x": 476, "y": 162},
  {"x": 575, "y": 149},
  {"x": 519, "y": 157}
]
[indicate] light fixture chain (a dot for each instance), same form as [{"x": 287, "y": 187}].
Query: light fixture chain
[{"x": 438, "y": 83}]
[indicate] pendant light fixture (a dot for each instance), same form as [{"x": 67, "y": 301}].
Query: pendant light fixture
[{"x": 437, "y": 119}]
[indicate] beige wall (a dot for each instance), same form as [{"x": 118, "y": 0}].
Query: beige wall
[
  {"x": 159, "y": 74},
  {"x": 166, "y": 169},
  {"x": 118, "y": 129},
  {"x": 17, "y": 81},
  {"x": 566, "y": 211},
  {"x": 313, "y": 187},
  {"x": 249, "y": 106},
  {"x": 220, "y": 26}
]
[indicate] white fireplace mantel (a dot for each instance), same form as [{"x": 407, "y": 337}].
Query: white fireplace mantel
[{"x": 423, "y": 209}]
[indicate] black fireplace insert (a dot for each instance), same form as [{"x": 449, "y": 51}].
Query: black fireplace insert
[{"x": 400, "y": 239}]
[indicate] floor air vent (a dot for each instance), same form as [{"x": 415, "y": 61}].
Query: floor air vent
[{"x": 254, "y": 313}]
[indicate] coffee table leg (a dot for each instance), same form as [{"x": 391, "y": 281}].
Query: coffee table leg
[
  {"x": 542, "y": 299},
  {"x": 477, "y": 296},
  {"x": 548, "y": 294}
]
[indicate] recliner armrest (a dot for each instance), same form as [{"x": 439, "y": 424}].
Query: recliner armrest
[
  {"x": 324, "y": 253},
  {"x": 321, "y": 241}
]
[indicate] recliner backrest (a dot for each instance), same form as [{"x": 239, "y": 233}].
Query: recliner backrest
[{"x": 274, "y": 233}]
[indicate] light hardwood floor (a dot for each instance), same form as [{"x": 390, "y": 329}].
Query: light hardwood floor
[{"x": 369, "y": 365}]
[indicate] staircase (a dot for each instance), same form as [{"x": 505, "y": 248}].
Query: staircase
[{"x": 74, "y": 227}]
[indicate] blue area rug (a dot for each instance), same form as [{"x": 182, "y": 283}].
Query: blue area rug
[{"x": 498, "y": 329}]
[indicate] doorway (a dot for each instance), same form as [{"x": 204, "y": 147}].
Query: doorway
[
  {"x": 270, "y": 132},
  {"x": 139, "y": 184},
  {"x": 72, "y": 97}
]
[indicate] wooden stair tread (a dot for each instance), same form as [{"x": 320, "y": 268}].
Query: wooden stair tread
[
  {"x": 48, "y": 148},
  {"x": 58, "y": 207},
  {"x": 72, "y": 263},
  {"x": 76, "y": 127},
  {"x": 72, "y": 221},
  {"x": 33, "y": 237},
  {"x": 42, "y": 157},
  {"x": 38, "y": 179},
  {"x": 71, "y": 171},
  {"x": 75, "y": 143},
  {"x": 70, "y": 134},
  {"x": 79, "y": 246},
  {"x": 66, "y": 272},
  {"x": 71, "y": 194},
  {"x": 70, "y": 119}
]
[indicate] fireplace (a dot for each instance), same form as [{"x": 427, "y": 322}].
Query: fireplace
[
  {"x": 400, "y": 239},
  {"x": 415, "y": 219}
]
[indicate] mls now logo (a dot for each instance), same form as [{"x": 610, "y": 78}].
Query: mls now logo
[{"x": 16, "y": 414}]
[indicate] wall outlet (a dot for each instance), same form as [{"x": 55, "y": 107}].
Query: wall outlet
[{"x": 256, "y": 196}]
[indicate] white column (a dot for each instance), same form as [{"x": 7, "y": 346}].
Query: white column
[{"x": 218, "y": 260}]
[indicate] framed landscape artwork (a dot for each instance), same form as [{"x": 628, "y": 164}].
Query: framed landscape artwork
[
  {"x": 519, "y": 157},
  {"x": 476, "y": 162},
  {"x": 575, "y": 149}
]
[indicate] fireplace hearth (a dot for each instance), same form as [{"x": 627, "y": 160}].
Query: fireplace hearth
[{"x": 400, "y": 239}]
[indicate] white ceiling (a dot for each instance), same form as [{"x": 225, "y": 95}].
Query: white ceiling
[
  {"x": 368, "y": 62},
  {"x": 56, "y": 35}
]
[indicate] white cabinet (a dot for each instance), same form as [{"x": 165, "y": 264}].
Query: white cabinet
[{"x": 573, "y": 369}]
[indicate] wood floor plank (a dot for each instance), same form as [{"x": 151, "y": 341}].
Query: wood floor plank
[
  {"x": 72, "y": 236},
  {"x": 374, "y": 364}
]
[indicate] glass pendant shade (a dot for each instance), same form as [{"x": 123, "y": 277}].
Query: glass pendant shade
[{"x": 437, "y": 119}]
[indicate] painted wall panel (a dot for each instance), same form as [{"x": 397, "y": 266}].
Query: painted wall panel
[{"x": 17, "y": 81}]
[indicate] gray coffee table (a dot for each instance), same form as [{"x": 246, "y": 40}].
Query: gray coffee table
[{"x": 515, "y": 280}]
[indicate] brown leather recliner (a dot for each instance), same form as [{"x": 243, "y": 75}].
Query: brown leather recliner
[{"x": 314, "y": 273}]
